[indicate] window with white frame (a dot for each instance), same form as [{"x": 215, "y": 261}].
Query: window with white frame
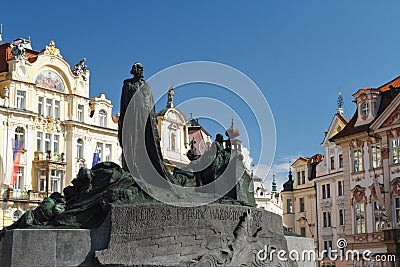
[
  {"x": 326, "y": 191},
  {"x": 301, "y": 204},
  {"x": 49, "y": 107},
  {"x": 397, "y": 211},
  {"x": 298, "y": 178},
  {"x": 289, "y": 207},
  {"x": 47, "y": 142},
  {"x": 359, "y": 214},
  {"x": 102, "y": 118},
  {"x": 79, "y": 148},
  {"x": 341, "y": 188},
  {"x": 55, "y": 180},
  {"x": 378, "y": 222},
  {"x": 40, "y": 105},
  {"x": 107, "y": 152},
  {"x": 327, "y": 219},
  {"x": 56, "y": 109},
  {"x": 56, "y": 142},
  {"x": 396, "y": 151},
  {"x": 357, "y": 160},
  {"x": 20, "y": 134},
  {"x": 341, "y": 217},
  {"x": 332, "y": 162},
  {"x": 42, "y": 180},
  {"x": 99, "y": 149},
  {"x": 80, "y": 113},
  {"x": 39, "y": 137},
  {"x": 21, "y": 95},
  {"x": 376, "y": 155},
  {"x": 20, "y": 178}
]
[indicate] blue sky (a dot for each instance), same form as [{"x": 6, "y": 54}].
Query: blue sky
[{"x": 299, "y": 53}]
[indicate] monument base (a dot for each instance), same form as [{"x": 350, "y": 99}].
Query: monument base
[{"x": 155, "y": 234}]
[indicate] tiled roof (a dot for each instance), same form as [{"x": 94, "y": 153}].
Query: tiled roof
[{"x": 389, "y": 91}]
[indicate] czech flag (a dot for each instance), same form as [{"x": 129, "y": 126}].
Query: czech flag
[{"x": 18, "y": 147}]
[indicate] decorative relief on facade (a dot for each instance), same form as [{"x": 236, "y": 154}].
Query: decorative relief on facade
[
  {"x": 357, "y": 178},
  {"x": 356, "y": 143},
  {"x": 377, "y": 236},
  {"x": 373, "y": 195},
  {"x": 385, "y": 152},
  {"x": 50, "y": 80},
  {"x": 396, "y": 186},
  {"x": 47, "y": 124},
  {"x": 52, "y": 50},
  {"x": 360, "y": 238},
  {"x": 80, "y": 68},
  {"x": 395, "y": 171},
  {"x": 394, "y": 118},
  {"x": 358, "y": 195}
]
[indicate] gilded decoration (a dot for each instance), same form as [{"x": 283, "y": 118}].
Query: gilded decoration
[
  {"x": 47, "y": 124},
  {"x": 358, "y": 195},
  {"x": 52, "y": 50},
  {"x": 373, "y": 195},
  {"x": 396, "y": 186}
]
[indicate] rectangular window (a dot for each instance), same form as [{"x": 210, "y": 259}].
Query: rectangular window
[
  {"x": 39, "y": 137},
  {"x": 99, "y": 149},
  {"x": 340, "y": 188},
  {"x": 327, "y": 219},
  {"x": 326, "y": 191},
  {"x": 80, "y": 113},
  {"x": 21, "y": 99},
  {"x": 327, "y": 247},
  {"x": 357, "y": 160},
  {"x": 107, "y": 152},
  {"x": 20, "y": 178},
  {"x": 56, "y": 141},
  {"x": 55, "y": 181},
  {"x": 395, "y": 151},
  {"x": 359, "y": 213},
  {"x": 42, "y": 180},
  {"x": 340, "y": 160},
  {"x": 301, "y": 204},
  {"x": 289, "y": 207},
  {"x": 303, "y": 177},
  {"x": 376, "y": 155},
  {"x": 397, "y": 211},
  {"x": 303, "y": 231},
  {"x": 40, "y": 105},
  {"x": 332, "y": 163},
  {"x": 341, "y": 217},
  {"x": 49, "y": 107},
  {"x": 47, "y": 142},
  {"x": 379, "y": 223},
  {"x": 79, "y": 149},
  {"x": 56, "y": 109},
  {"x": 298, "y": 178}
]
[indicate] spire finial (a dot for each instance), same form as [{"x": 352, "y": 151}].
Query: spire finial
[{"x": 340, "y": 103}]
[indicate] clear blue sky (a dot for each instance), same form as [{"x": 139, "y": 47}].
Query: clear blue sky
[{"x": 300, "y": 53}]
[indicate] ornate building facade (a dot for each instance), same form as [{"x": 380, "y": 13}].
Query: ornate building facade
[
  {"x": 50, "y": 126},
  {"x": 370, "y": 145}
]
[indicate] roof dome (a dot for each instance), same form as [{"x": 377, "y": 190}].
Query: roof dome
[{"x": 232, "y": 132}]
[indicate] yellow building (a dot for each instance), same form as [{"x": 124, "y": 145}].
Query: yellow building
[{"x": 50, "y": 126}]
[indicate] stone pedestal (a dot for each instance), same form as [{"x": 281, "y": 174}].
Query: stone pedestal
[{"x": 155, "y": 235}]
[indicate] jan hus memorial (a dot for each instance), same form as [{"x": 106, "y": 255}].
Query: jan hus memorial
[{"x": 142, "y": 214}]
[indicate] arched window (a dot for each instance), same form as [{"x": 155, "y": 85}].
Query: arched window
[
  {"x": 79, "y": 149},
  {"x": 102, "y": 118}
]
